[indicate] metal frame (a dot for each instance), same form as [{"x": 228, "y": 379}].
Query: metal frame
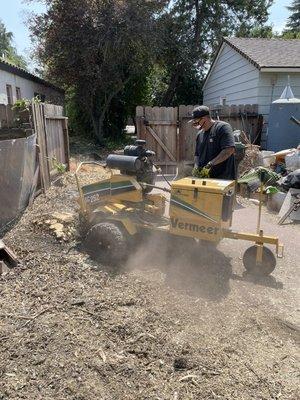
[{"x": 259, "y": 239}]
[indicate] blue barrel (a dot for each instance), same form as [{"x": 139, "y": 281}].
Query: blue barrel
[{"x": 283, "y": 133}]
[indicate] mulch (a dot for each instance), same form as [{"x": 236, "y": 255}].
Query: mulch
[{"x": 157, "y": 328}]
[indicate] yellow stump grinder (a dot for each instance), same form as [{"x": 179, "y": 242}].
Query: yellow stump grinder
[{"x": 121, "y": 207}]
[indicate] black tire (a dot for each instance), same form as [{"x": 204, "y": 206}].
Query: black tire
[
  {"x": 266, "y": 267},
  {"x": 106, "y": 242}
]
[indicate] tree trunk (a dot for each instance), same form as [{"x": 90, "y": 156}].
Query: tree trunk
[
  {"x": 170, "y": 93},
  {"x": 100, "y": 118}
]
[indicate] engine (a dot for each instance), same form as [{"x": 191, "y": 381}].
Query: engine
[{"x": 136, "y": 161}]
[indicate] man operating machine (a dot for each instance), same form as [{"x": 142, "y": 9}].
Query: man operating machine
[{"x": 215, "y": 145}]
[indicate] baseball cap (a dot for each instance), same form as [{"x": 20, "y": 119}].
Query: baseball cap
[{"x": 200, "y": 112}]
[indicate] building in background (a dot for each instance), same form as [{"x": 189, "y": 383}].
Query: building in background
[
  {"x": 253, "y": 71},
  {"x": 17, "y": 83}
]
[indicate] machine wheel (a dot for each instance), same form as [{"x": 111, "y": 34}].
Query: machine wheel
[
  {"x": 106, "y": 242},
  {"x": 266, "y": 267}
]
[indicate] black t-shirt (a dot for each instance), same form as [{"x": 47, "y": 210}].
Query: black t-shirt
[{"x": 210, "y": 143}]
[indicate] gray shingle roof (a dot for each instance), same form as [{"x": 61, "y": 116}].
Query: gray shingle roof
[{"x": 270, "y": 53}]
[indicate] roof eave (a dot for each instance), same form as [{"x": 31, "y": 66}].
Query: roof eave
[
  {"x": 224, "y": 40},
  {"x": 279, "y": 69},
  {"x": 242, "y": 53},
  {"x": 5, "y": 66}
]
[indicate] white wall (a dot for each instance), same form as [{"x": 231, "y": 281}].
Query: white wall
[
  {"x": 270, "y": 87},
  {"x": 232, "y": 77},
  {"x": 28, "y": 88}
]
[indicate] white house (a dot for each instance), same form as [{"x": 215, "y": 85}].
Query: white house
[
  {"x": 17, "y": 83},
  {"x": 253, "y": 71}
]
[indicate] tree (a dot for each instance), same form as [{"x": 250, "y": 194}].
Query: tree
[
  {"x": 112, "y": 55},
  {"x": 7, "y": 50},
  {"x": 258, "y": 31},
  {"x": 192, "y": 30},
  {"x": 5, "y": 38},
  {"x": 293, "y": 23},
  {"x": 100, "y": 48}
]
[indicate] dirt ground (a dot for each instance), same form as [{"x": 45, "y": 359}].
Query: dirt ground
[{"x": 190, "y": 327}]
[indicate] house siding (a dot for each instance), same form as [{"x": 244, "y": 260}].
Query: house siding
[
  {"x": 232, "y": 77},
  {"x": 27, "y": 88},
  {"x": 270, "y": 87}
]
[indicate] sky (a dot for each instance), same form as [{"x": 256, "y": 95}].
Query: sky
[{"x": 14, "y": 13}]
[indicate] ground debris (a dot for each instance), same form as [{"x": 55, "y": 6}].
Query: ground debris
[{"x": 71, "y": 329}]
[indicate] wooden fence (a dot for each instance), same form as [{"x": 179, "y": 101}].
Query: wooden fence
[
  {"x": 33, "y": 146},
  {"x": 167, "y": 132},
  {"x": 51, "y": 128}
]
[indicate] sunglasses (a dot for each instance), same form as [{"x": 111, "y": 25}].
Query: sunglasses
[{"x": 197, "y": 121}]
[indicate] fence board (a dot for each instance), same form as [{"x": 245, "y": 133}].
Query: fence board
[
  {"x": 187, "y": 133},
  {"x": 7, "y": 116},
  {"x": 164, "y": 139},
  {"x": 66, "y": 143},
  {"x": 3, "y": 116},
  {"x": 39, "y": 127}
]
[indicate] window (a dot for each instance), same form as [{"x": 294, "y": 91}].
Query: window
[
  {"x": 9, "y": 94},
  {"x": 18, "y": 93}
]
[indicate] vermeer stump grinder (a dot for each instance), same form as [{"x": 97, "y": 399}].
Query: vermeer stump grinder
[{"x": 117, "y": 210}]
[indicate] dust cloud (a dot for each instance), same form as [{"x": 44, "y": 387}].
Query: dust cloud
[{"x": 198, "y": 268}]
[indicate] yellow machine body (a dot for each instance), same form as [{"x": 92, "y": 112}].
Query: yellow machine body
[
  {"x": 117, "y": 188},
  {"x": 201, "y": 208}
]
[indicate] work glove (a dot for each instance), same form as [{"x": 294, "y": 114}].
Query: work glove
[{"x": 208, "y": 165}]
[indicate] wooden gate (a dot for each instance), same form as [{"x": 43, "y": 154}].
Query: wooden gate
[
  {"x": 166, "y": 132},
  {"x": 158, "y": 126}
]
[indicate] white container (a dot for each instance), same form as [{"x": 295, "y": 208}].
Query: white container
[
  {"x": 266, "y": 158},
  {"x": 292, "y": 161}
]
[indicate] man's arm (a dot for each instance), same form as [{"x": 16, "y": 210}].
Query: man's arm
[
  {"x": 223, "y": 155},
  {"x": 197, "y": 155},
  {"x": 227, "y": 145}
]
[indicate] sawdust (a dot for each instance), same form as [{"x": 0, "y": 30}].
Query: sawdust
[{"x": 166, "y": 328}]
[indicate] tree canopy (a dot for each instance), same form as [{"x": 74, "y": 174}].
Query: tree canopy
[
  {"x": 112, "y": 55},
  {"x": 7, "y": 50},
  {"x": 292, "y": 29}
]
